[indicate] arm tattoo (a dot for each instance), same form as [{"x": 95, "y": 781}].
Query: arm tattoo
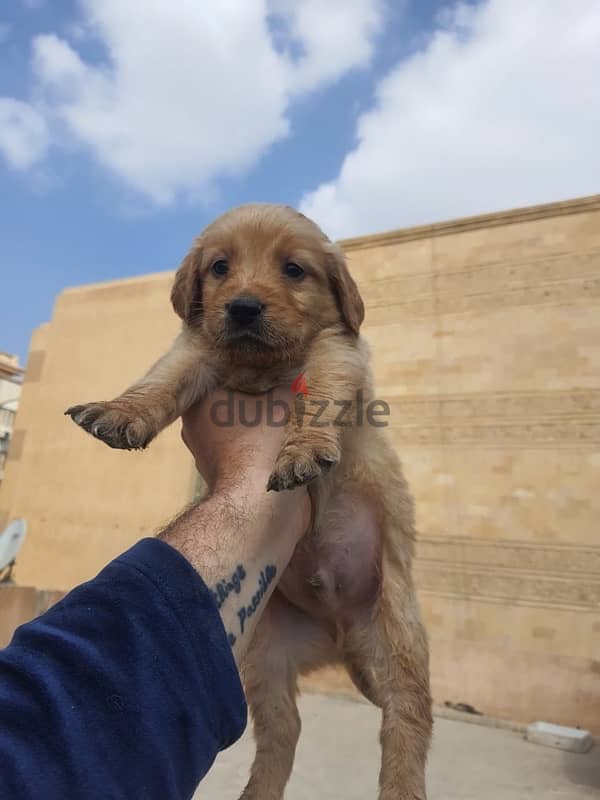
[
  {"x": 266, "y": 577},
  {"x": 224, "y": 588}
]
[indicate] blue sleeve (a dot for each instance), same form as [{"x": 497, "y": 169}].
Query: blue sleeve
[{"x": 126, "y": 688}]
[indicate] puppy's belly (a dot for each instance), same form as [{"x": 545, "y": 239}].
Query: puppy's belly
[{"x": 334, "y": 572}]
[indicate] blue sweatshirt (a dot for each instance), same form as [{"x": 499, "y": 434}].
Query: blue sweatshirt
[{"x": 126, "y": 689}]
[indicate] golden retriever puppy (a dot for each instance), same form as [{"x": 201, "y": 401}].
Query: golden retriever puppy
[{"x": 265, "y": 297}]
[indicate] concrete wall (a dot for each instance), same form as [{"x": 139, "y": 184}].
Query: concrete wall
[{"x": 485, "y": 336}]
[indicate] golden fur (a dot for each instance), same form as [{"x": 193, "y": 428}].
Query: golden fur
[{"x": 347, "y": 595}]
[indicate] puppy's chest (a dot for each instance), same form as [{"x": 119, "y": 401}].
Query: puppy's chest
[
  {"x": 255, "y": 380},
  {"x": 334, "y": 572}
]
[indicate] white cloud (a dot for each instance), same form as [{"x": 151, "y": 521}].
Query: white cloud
[
  {"x": 333, "y": 37},
  {"x": 23, "y": 133},
  {"x": 501, "y": 108},
  {"x": 191, "y": 90}
]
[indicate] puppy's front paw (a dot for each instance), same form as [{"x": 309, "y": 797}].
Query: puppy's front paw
[
  {"x": 114, "y": 424},
  {"x": 298, "y": 465}
]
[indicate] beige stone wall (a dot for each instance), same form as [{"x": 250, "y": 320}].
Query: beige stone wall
[
  {"x": 486, "y": 342},
  {"x": 84, "y": 503}
]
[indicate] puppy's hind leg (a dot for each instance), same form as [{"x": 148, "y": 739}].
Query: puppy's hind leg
[
  {"x": 286, "y": 642},
  {"x": 389, "y": 663},
  {"x": 170, "y": 387}
]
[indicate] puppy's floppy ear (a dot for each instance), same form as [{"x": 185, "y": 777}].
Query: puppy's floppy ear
[
  {"x": 345, "y": 289},
  {"x": 186, "y": 294}
]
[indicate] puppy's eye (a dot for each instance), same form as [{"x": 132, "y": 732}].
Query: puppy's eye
[
  {"x": 220, "y": 268},
  {"x": 292, "y": 270}
]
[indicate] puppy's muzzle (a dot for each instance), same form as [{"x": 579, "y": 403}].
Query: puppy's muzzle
[{"x": 244, "y": 311}]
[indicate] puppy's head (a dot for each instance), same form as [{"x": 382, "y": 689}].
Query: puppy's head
[{"x": 261, "y": 281}]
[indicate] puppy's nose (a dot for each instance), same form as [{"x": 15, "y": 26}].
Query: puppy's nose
[{"x": 244, "y": 310}]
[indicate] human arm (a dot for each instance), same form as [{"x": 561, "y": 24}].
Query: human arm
[
  {"x": 127, "y": 687},
  {"x": 241, "y": 538}
]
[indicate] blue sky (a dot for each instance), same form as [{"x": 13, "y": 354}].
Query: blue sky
[{"x": 123, "y": 131}]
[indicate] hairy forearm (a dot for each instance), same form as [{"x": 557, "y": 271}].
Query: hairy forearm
[{"x": 240, "y": 540}]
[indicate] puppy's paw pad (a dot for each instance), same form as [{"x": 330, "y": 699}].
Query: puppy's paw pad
[
  {"x": 295, "y": 467},
  {"x": 112, "y": 424}
]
